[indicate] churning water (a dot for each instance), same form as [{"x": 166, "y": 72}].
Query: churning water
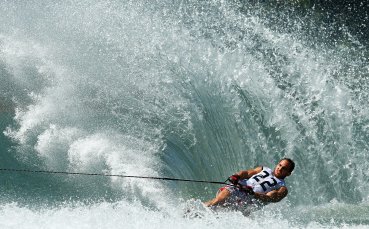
[{"x": 183, "y": 89}]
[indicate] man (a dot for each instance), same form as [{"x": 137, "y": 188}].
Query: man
[{"x": 254, "y": 188}]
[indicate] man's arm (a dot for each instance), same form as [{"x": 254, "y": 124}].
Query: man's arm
[
  {"x": 246, "y": 174},
  {"x": 272, "y": 196}
]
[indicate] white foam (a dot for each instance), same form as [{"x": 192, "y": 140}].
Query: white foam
[{"x": 133, "y": 215}]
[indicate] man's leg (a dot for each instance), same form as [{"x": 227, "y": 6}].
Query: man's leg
[{"x": 220, "y": 198}]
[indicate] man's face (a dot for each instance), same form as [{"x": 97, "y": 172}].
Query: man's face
[{"x": 282, "y": 169}]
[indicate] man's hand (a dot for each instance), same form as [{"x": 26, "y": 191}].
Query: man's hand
[{"x": 234, "y": 179}]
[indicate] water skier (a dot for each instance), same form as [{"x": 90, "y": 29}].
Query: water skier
[{"x": 254, "y": 188}]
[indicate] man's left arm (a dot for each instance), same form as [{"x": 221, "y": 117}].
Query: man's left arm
[{"x": 272, "y": 196}]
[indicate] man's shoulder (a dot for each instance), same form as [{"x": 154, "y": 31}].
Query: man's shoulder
[
  {"x": 258, "y": 169},
  {"x": 267, "y": 169}
]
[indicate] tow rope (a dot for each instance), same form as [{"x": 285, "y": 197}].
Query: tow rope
[{"x": 108, "y": 175}]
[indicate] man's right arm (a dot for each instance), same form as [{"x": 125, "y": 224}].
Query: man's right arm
[{"x": 246, "y": 174}]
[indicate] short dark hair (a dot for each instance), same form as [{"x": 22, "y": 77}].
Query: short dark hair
[{"x": 292, "y": 163}]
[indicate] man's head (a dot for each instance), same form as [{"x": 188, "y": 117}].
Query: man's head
[{"x": 284, "y": 168}]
